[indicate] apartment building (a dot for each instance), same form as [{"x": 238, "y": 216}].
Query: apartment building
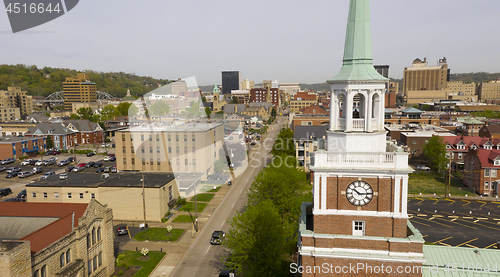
[
  {"x": 271, "y": 95},
  {"x": 192, "y": 147},
  {"x": 15, "y": 147},
  {"x": 14, "y": 97},
  {"x": 423, "y": 83},
  {"x": 458, "y": 90},
  {"x": 489, "y": 91},
  {"x": 78, "y": 90}
]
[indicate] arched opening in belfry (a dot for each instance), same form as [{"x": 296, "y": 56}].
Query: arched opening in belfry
[
  {"x": 341, "y": 100},
  {"x": 358, "y": 107},
  {"x": 376, "y": 105}
]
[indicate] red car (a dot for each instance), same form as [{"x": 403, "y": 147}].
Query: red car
[
  {"x": 111, "y": 155},
  {"x": 81, "y": 164},
  {"x": 56, "y": 152}
]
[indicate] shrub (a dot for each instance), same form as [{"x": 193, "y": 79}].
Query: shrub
[
  {"x": 120, "y": 272},
  {"x": 22, "y": 158},
  {"x": 181, "y": 201},
  {"x": 163, "y": 220}
]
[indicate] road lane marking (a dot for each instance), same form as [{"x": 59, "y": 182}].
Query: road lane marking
[
  {"x": 421, "y": 215},
  {"x": 442, "y": 240},
  {"x": 484, "y": 203},
  {"x": 466, "y": 242},
  {"x": 208, "y": 249},
  {"x": 471, "y": 246},
  {"x": 468, "y": 202},
  {"x": 490, "y": 245},
  {"x": 445, "y": 244}
]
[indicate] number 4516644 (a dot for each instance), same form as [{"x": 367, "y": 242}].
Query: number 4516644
[{"x": 33, "y": 8}]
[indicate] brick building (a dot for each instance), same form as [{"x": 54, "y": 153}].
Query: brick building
[
  {"x": 481, "y": 168},
  {"x": 271, "y": 95},
  {"x": 56, "y": 239},
  {"x": 15, "y": 147},
  {"x": 313, "y": 109},
  {"x": 62, "y": 137},
  {"x": 86, "y": 131},
  {"x": 310, "y": 120},
  {"x": 489, "y": 131}
]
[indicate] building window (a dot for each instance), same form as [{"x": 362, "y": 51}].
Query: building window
[
  {"x": 43, "y": 271},
  {"x": 459, "y": 155},
  {"x": 170, "y": 193},
  {"x": 193, "y": 137},
  {"x": 151, "y": 150},
  {"x": 131, "y": 149},
  {"x": 185, "y": 150},
  {"x": 62, "y": 260},
  {"x": 123, "y": 137},
  {"x": 94, "y": 261},
  {"x": 68, "y": 256},
  {"x": 93, "y": 236},
  {"x": 44, "y": 195},
  {"x": 142, "y": 149},
  {"x": 89, "y": 244},
  {"x": 486, "y": 185},
  {"x": 158, "y": 150},
  {"x": 168, "y": 137},
  {"x": 169, "y": 149},
  {"x": 142, "y": 137},
  {"x": 193, "y": 150},
  {"x": 33, "y": 194},
  {"x": 69, "y": 195},
  {"x": 133, "y": 161},
  {"x": 158, "y": 161},
  {"x": 358, "y": 228},
  {"x": 176, "y": 137},
  {"x": 81, "y": 195},
  {"x": 100, "y": 258},
  {"x": 99, "y": 233},
  {"x": 143, "y": 162},
  {"x": 92, "y": 195},
  {"x": 124, "y": 150},
  {"x": 150, "y": 137},
  {"x": 157, "y": 137},
  {"x": 178, "y": 162},
  {"x": 494, "y": 173},
  {"x": 194, "y": 162},
  {"x": 37, "y": 273},
  {"x": 177, "y": 150},
  {"x": 486, "y": 172},
  {"x": 185, "y": 137},
  {"x": 124, "y": 161},
  {"x": 185, "y": 161},
  {"x": 90, "y": 267},
  {"x": 56, "y": 194}
]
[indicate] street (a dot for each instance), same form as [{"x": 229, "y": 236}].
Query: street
[{"x": 202, "y": 258}]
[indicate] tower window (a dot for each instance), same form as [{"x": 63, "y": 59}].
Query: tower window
[{"x": 358, "y": 228}]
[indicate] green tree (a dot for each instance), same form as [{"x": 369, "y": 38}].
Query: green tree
[
  {"x": 49, "y": 142},
  {"x": 194, "y": 110},
  {"x": 234, "y": 100},
  {"x": 273, "y": 112},
  {"x": 126, "y": 109},
  {"x": 208, "y": 111},
  {"x": 74, "y": 116},
  {"x": 159, "y": 108},
  {"x": 284, "y": 145},
  {"x": 85, "y": 113},
  {"x": 256, "y": 241},
  {"x": 435, "y": 152},
  {"x": 203, "y": 99},
  {"x": 109, "y": 112}
]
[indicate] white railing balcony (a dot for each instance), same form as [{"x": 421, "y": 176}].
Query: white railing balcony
[
  {"x": 358, "y": 124},
  {"x": 388, "y": 160},
  {"x": 300, "y": 148}
]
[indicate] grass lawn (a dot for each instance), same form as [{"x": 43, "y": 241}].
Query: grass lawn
[
  {"x": 184, "y": 218},
  {"x": 129, "y": 258},
  {"x": 428, "y": 183},
  {"x": 189, "y": 207},
  {"x": 157, "y": 234},
  {"x": 215, "y": 190},
  {"x": 206, "y": 197}
]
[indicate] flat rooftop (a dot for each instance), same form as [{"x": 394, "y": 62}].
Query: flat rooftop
[
  {"x": 94, "y": 180},
  {"x": 185, "y": 127}
]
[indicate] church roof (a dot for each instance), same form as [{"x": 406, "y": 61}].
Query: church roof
[
  {"x": 358, "y": 60},
  {"x": 411, "y": 110}
]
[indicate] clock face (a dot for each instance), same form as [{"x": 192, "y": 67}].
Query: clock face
[{"x": 359, "y": 193}]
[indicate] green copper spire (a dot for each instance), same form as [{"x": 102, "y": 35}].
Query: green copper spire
[{"x": 358, "y": 61}]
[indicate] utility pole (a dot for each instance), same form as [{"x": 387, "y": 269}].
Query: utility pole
[
  {"x": 449, "y": 178},
  {"x": 195, "y": 208},
  {"x": 143, "y": 199}
]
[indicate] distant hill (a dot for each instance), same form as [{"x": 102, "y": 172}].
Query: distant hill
[{"x": 48, "y": 80}]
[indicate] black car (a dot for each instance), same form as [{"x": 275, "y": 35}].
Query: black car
[
  {"x": 90, "y": 154},
  {"x": 217, "y": 237},
  {"x": 90, "y": 164},
  {"x": 112, "y": 159},
  {"x": 100, "y": 170},
  {"x": 22, "y": 194},
  {"x": 33, "y": 162},
  {"x": 5, "y": 191},
  {"x": 70, "y": 159},
  {"x": 14, "y": 199},
  {"x": 48, "y": 153},
  {"x": 11, "y": 175},
  {"x": 97, "y": 165},
  {"x": 70, "y": 168}
]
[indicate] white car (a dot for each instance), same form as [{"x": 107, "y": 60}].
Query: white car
[
  {"x": 423, "y": 167},
  {"x": 39, "y": 163},
  {"x": 26, "y": 162}
]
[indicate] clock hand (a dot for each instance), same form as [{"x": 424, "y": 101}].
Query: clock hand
[{"x": 359, "y": 192}]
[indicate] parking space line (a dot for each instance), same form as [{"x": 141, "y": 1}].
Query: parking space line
[
  {"x": 445, "y": 244},
  {"x": 484, "y": 203},
  {"x": 468, "y": 202},
  {"x": 421, "y": 200},
  {"x": 420, "y": 222},
  {"x": 490, "y": 245},
  {"x": 482, "y": 224},
  {"x": 442, "y": 239},
  {"x": 436, "y": 200},
  {"x": 453, "y": 221},
  {"x": 472, "y": 246},
  {"x": 452, "y": 201},
  {"x": 466, "y": 242}
]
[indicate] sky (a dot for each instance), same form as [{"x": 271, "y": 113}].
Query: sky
[{"x": 284, "y": 40}]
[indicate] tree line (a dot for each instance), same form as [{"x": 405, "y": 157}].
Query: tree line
[
  {"x": 263, "y": 238},
  {"x": 47, "y": 80}
]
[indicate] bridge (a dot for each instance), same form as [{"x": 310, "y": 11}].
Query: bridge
[{"x": 58, "y": 97}]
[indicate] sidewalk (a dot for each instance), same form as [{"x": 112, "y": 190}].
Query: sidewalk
[
  {"x": 175, "y": 250},
  {"x": 474, "y": 198}
]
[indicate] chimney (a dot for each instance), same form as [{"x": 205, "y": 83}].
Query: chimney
[{"x": 73, "y": 221}]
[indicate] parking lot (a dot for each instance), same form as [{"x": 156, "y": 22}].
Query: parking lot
[
  {"x": 463, "y": 223},
  {"x": 17, "y": 184}
]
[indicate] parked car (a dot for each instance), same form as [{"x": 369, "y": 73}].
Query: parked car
[
  {"x": 111, "y": 155},
  {"x": 56, "y": 152},
  {"x": 90, "y": 164},
  {"x": 33, "y": 162},
  {"x": 37, "y": 170},
  {"x": 107, "y": 158},
  {"x": 13, "y": 169},
  {"x": 11, "y": 175},
  {"x": 90, "y": 154},
  {"x": 26, "y": 162},
  {"x": 107, "y": 169},
  {"x": 217, "y": 237},
  {"x": 253, "y": 143},
  {"x": 8, "y": 161},
  {"x": 48, "y": 162},
  {"x": 63, "y": 163},
  {"x": 63, "y": 176},
  {"x": 48, "y": 153},
  {"x": 5, "y": 191},
  {"x": 25, "y": 174},
  {"x": 423, "y": 167},
  {"x": 122, "y": 230},
  {"x": 114, "y": 170},
  {"x": 70, "y": 168},
  {"x": 22, "y": 194},
  {"x": 78, "y": 169},
  {"x": 97, "y": 165},
  {"x": 15, "y": 199},
  {"x": 2, "y": 168},
  {"x": 112, "y": 159},
  {"x": 39, "y": 162},
  {"x": 48, "y": 174},
  {"x": 100, "y": 170},
  {"x": 81, "y": 165},
  {"x": 71, "y": 159}
]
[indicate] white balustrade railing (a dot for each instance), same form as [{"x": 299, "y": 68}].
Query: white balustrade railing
[
  {"x": 341, "y": 124},
  {"x": 366, "y": 160},
  {"x": 358, "y": 124}
]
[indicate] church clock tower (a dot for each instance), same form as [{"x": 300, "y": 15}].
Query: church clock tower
[{"x": 358, "y": 220}]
